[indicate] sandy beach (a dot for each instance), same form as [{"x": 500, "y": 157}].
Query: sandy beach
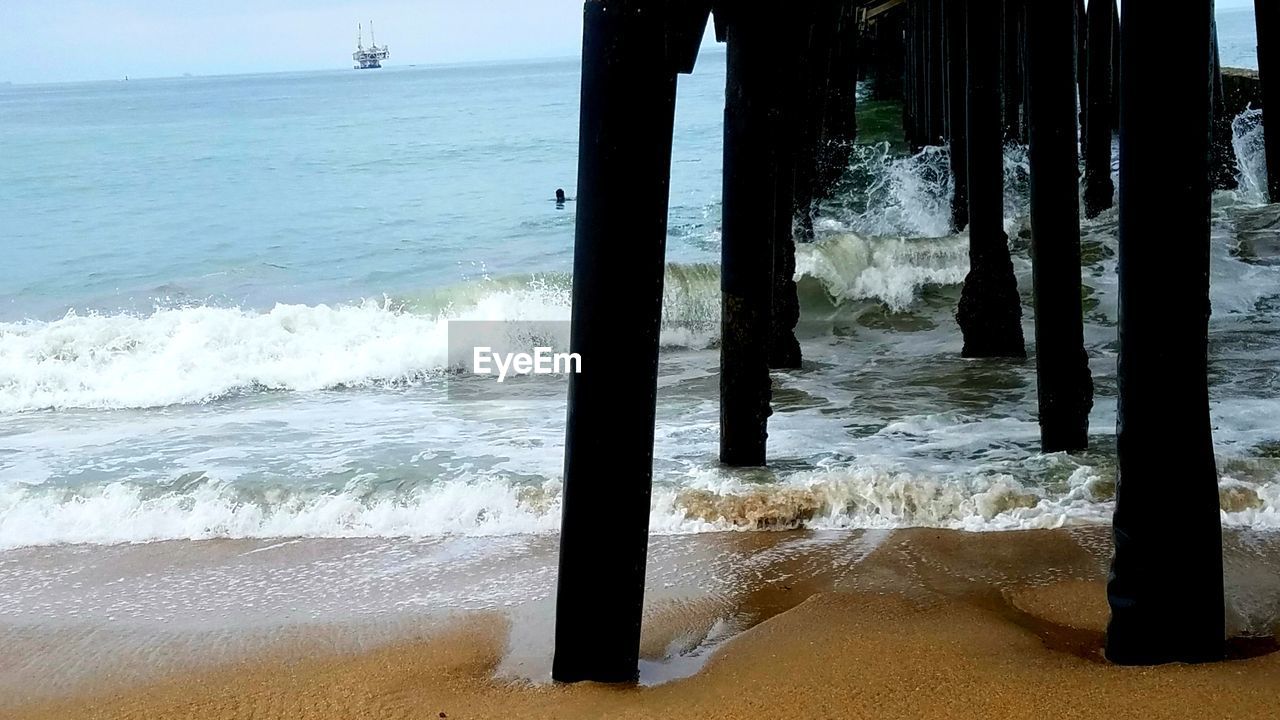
[{"x": 919, "y": 623}]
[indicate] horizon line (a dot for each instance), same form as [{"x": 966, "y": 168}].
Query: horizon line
[{"x": 711, "y": 47}]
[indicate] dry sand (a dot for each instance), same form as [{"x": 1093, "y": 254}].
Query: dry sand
[{"x": 932, "y": 624}]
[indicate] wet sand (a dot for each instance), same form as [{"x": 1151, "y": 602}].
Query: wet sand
[{"x": 912, "y": 623}]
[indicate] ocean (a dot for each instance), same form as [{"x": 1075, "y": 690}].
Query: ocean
[{"x": 225, "y": 301}]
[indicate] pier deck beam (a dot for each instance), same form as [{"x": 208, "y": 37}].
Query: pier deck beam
[
  {"x": 1166, "y": 585},
  {"x": 755, "y": 88},
  {"x": 1062, "y": 367},
  {"x": 1267, "y": 15},
  {"x": 1099, "y": 190},
  {"x": 632, "y": 50},
  {"x": 990, "y": 311}
]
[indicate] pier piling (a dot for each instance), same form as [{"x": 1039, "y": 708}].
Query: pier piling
[
  {"x": 990, "y": 311},
  {"x": 1099, "y": 190},
  {"x": 1011, "y": 41},
  {"x": 839, "y": 104},
  {"x": 1082, "y": 67},
  {"x": 957, "y": 110},
  {"x": 1166, "y": 585},
  {"x": 936, "y": 72},
  {"x": 631, "y": 53},
  {"x": 754, "y": 90},
  {"x": 789, "y": 111},
  {"x": 1064, "y": 385},
  {"x": 1267, "y": 16},
  {"x": 1222, "y": 169}
]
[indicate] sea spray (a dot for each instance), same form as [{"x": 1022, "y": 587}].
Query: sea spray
[
  {"x": 887, "y": 194},
  {"x": 887, "y": 270},
  {"x": 1251, "y": 161}
]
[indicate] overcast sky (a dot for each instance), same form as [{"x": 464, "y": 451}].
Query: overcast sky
[
  {"x": 59, "y": 40},
  {"x": 55, "y": 40}
]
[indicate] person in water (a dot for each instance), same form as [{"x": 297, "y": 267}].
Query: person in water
[{"x": 560, "y": 198}]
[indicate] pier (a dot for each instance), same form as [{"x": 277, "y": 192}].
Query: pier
[{"x": 972, "y": 75}]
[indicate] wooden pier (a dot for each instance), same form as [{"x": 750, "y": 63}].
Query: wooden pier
[{"x": 972, "y": 75}]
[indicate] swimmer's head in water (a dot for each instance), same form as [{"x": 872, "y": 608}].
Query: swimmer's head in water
[{"x": 559, "y": 194}]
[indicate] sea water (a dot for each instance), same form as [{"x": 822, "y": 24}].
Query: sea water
[{"x": 224, "y": 309}]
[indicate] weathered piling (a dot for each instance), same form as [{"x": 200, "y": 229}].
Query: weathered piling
[
  {"x": 1267, "y": 16},
  {"x": 824, "y": 58},
  {"x": 888, "y": 57},
  {"x": 957, "y": 109},
  {"x": 784, "y": 348},
  {"x": 839, "y": 102},
  {"x": 1115, "y": 66},
  {"x": 1223, "y": 164},
  {"x": 1099, "y": 190},
  {"x": 1062, "y": 366},
  {"x": 1082, "y": 66},
  {"x": 915, "y": 82},
  {"x": 925, "y": 109},
  {"x": 1011, "y": 41},
  {"x": 1166, "y": 585},
  {"x": 936, "y": 72},
  {"x": 753, "y": 91},
  {"x": 990, "y": 312},
  {"x": 810, "y": 65},
  {"x": 790, "y": 111},
  {"x": 631, "y": 52}
]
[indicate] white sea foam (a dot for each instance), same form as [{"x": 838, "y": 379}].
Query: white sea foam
[
  {"x": 196, "y": 354},
  {"x": 888, "y": 270},
  {"x": 1251, "y": 160},
  {"x": 862, "y": 496}
]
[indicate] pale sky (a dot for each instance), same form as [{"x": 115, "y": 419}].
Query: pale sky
[
  {"x": 58, "y": 40},
  {"x": 61, "y": 40}
]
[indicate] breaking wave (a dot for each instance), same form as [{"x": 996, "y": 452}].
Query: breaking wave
[
  {"x": 184, "y": 355},
  {"x": 851, "y": 497}
]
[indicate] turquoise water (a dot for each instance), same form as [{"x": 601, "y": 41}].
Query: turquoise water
[
  {"x": 310, "y": 187},
  {"x": 225, "y": 303}
]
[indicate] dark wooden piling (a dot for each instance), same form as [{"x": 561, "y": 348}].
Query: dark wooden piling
[
  {"x": 1064, "y": 385},
  {"x": 825, "y": 60},
  {"x": 1267, "y": 15},
  {"x": 1115, "y": 66},
  {"x": 1082, "y": 66},
  {"x": 1099, "y": 190},
  {"x": 810, "y": 65},
  {"x": 936, "y": 72},
  {"x": 753, "y": 90},
  {"x": 990, "y": 311},
  {"x": 1011, "y": 69},
  {"x": 957, "y": 109},
  {"x": 630, "y": 56},
  {"x": 839, "y": 102},
  {"x": 790, "y": 112},
  {"x": 887, "y": 80},
  {"x": 1223, "y": 164},
  {"x": 1166, "y": 585},
  {"x": 915, "y": 85}
]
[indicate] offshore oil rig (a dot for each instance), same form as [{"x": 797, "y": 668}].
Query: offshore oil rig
[{"x": 368, "y": 58}]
